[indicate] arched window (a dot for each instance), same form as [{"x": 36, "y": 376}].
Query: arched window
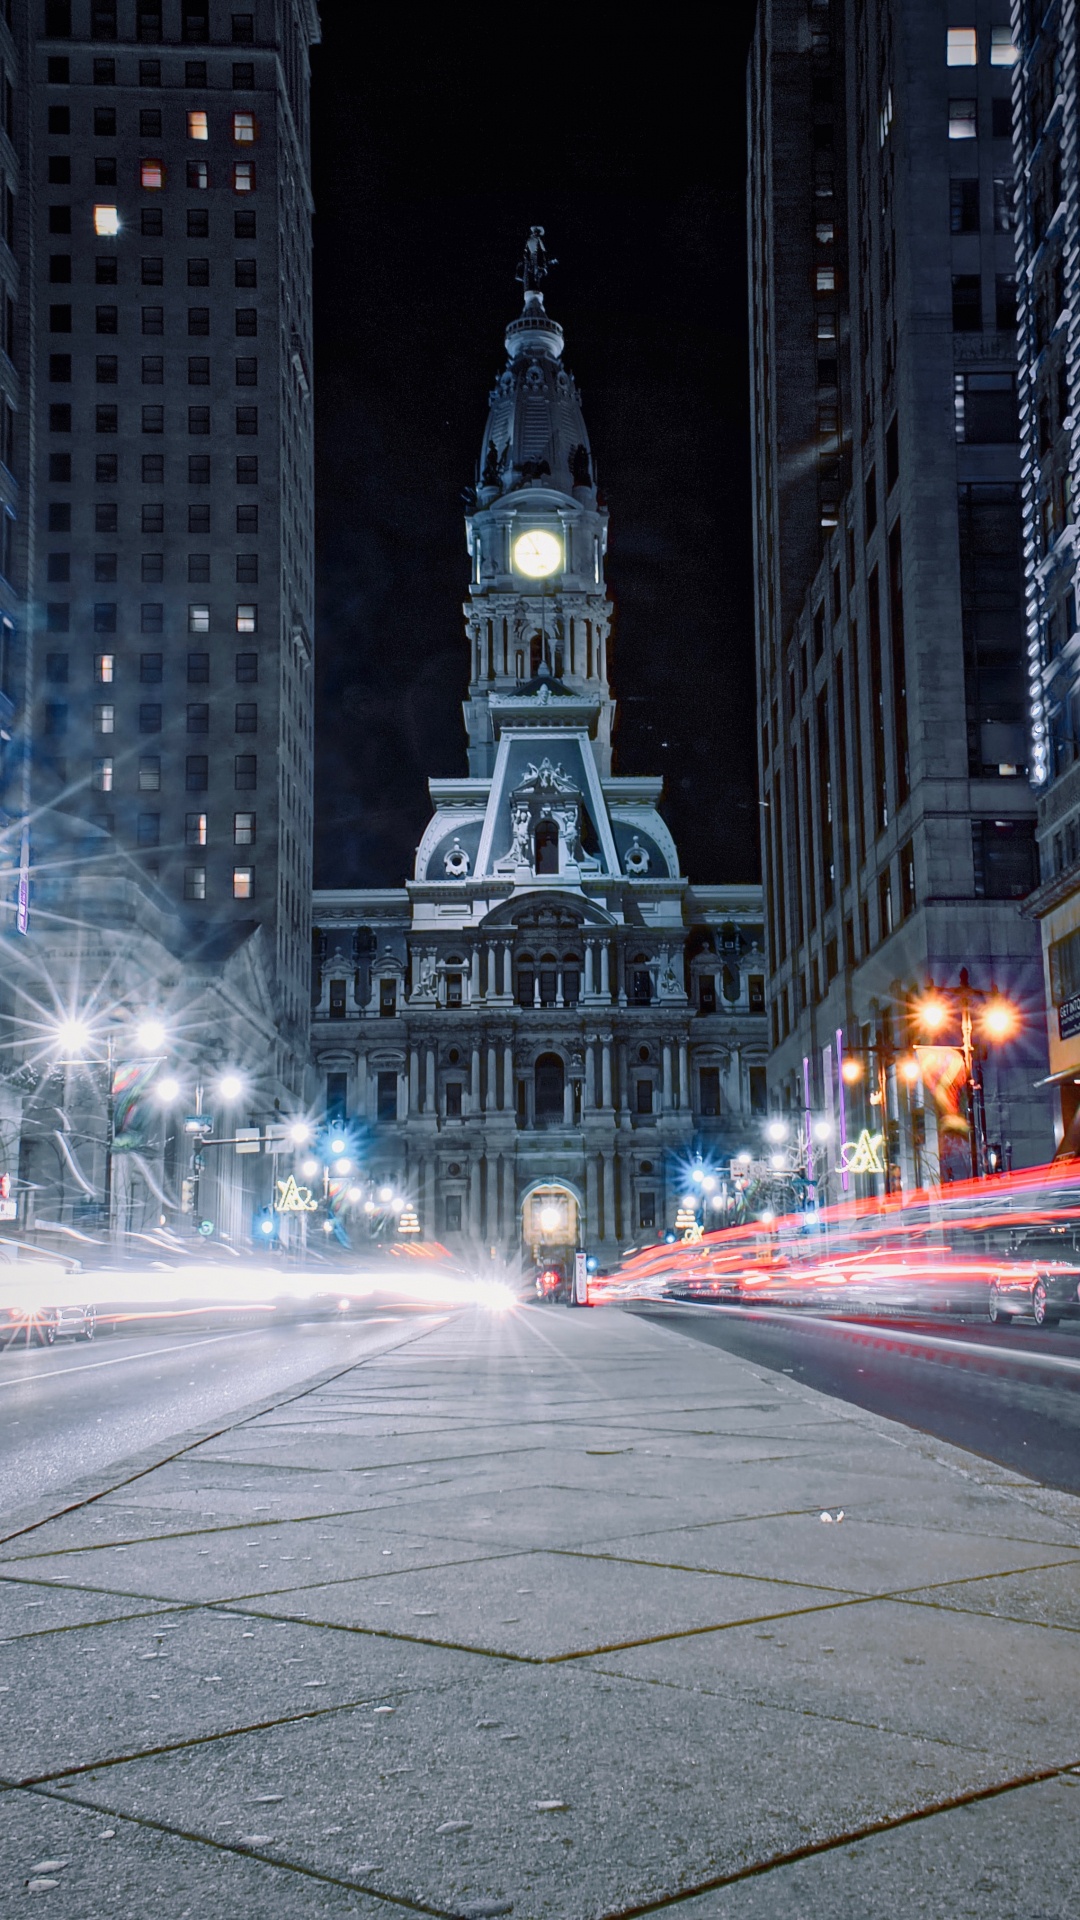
[
  {"x": 526, "y": 980},
  {"x": 640, "y": 981},
  {"x": 546, "y": 847},
  {"x": 571, "y": 980},
  {"x": 536, "y": 654},
  {"x": 549, "y": 980},
  {"x": 549, "y": 1084}
]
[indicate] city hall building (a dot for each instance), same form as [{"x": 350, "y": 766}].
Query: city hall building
[{"x": 544, "y": 1025}]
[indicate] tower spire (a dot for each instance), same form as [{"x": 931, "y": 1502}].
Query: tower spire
[{"x": 534, "y": 265}]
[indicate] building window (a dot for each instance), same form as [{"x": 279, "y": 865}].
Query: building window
[
  {"x": 961, "y": 47},
  {"x": 153, "y": 517},
  {"x": 963, "y": 206},
  {"x": 247, "y": 668},
  {"x": 198, "y": 273},
  {"x": 106, "y": 419},
  {"x": 149, "y": 773},
  {"x": 247, "y": 420},
  {"x": 198, "y": 619},
  {"x": 247, "y": 320},
  {"x": 454, "y": 990},
  {"x": 452, "y": 1212},
  {"x": 646, "y": 1210},
  {"x": 194, "y": 883},
  {"x": 105, "y": 616},
  {"x": 195, "y": 829},
  {"x": 1005, "y": 858},
  {"x": 247, "y": 569},
  {"x": 243, "y": 829},
  {"x": 106, "y": 221},
  {"x": 640, "y": 983},
  {"x": 198, "y": 370},
  {"x": 198, "y": 320},
  {"x": 198, "y": 420},
  {"x": 454, "y": 1093},
  {"x": 387, "y": 999},
  {"x": 966, "y": 303},
  {"x": 151, "y": 176},
  {"x": 59, "y": 568},
  {"x": 247, "y": 717},
  {"x": 198, "y": 669},
  {"x": 148, "y": 830},
  {"x": 963, "y": 120},
  {"x": 153, "y": 270},
  {"x": 1001, "y": 118},
  {"x": 152, "y": 616},
  {"x": 709, "y": 1085},
  {"x": 56, "y": 717},
  {"x": 198, "y": 517},
  {"x": 247, "y": 469},
  {"x": 386, "y": 1088},
  {"x": 337, "y": 1000},
  {"x": 57, "y": 617},
  {"x": 197, "y": 126},
  {"x": 759, "y": 1098},
  {"x": 152, "y": 569},
  {"x": 198, "y": 470},
  {"x": 153, "y": 471},
  {"x": 150, "y": 717},
  {"x": 243, "y": 883},
  {"x": 247, "y": 519},
  {"x": 153, "y": 419},
  {"x": 198, "y": 717},
  {"x": 198, "y": 568},
  {"x": 246, "y": 773},
  {"x": 247, "y": 372},
  {"x": 197, "y": 770},
  {"x": 102, "y": 776},
  {"x": 644, "y": 1095},
  {"x": 1003, "y": 51},
  {"x": 150, "y": 669},
  {"x": 984, "y": 407},
  {"x": 1005, "y": 302},
  {"x": 104, "y": 668},
  {"x": 244, "y": 176},
  {"x": 245, "y": 273},
  {"x": 243, "y": 127},
  {"x": 247, "y": 619},
  {"x": 1004, "y": 209}
]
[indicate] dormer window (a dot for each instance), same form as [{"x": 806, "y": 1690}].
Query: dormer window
[
  {"x": 337, "y": 999},
  {"x": 546, "y": 847},
  {"x": 454, "y": 992},
  {"x": 388, "y": 998}
]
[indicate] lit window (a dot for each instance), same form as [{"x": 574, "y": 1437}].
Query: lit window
[
  {"x": 243, "y": 883},
  {"x": 104, "y": 719},
  {"x": 194, "y": 883},
  {"x": 198, "y": 179},
  {"x": 825, "y": 233},
  {"x": 104, "y": 666},
  {"x": 247, "y": 619},
  {"x": 963, "y": 120},
  {"x": 197, "y": 128},
  {"x": 151, "y": 175},
  {"x": 1003, "y": 51},
  {"x": 244, "y": 829},
  {"x": 825, "y": 279},
  {"x": 195, "y": 830},
  {"x": 103, "y": 776},
  {"x": 962, "y": 47},
  {"x": 198, "y": 620},
  {"x": 150, "y": 773},
  {"x": 244, "y": 177},
  {"x": 106, "y": 220},
  {"x": 243, "y": 126}
]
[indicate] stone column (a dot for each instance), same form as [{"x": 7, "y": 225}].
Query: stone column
[
  {"x": 588, "y": 967},
  {"x": 624, "y": 1077},
  {"x": 511, "y": 1231},
  {"x": 568, "y": 1101},
  {"x": 429, "y": 1081},
  {"x": 474, "y": 1197},
  {"x": 507, "y": 1102},
  {"x": 592, "y": 1208},
  {"x": 491, "y": 1098},
  {"x": 605, "y": 969},
  {"x": 666, "y": 1098},
  {"x": 508, "y": 973},
  {"x": 609, "y": 1196},
  {"x": 559, "y": 1001},
  {"x": 474, "y": 1082},
  {"x": 684, "y": 1076},
  {"x": 605, "y": 1065},
  {"x": 474, "y": 975},
  {"x": 590, "y": 1074},
  {"x": 414, "y": 1081}
]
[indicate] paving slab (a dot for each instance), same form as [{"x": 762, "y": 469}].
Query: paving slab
[
  {"x": 526, "y": 1784},
  {"x": 544, "y": 1605},
  {"x": 116, "y": 1869},
  {"x": 1047, "y": 1596},
  {"x": 187, "y": 1675},
  {"x": 852, "y": 1555},
  {"x": 1009, "y": 1858},
  {"x": 975, "y": 1681},
  {"x": 29, "y": 1606}
]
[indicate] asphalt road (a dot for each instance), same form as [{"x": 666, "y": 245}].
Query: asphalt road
[
  {"x": 1011, "y": 1394},
  {"x": 76, "y": 1410}
]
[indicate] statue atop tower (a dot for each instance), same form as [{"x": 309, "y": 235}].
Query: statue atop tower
[{"x": 534, "y": 265}]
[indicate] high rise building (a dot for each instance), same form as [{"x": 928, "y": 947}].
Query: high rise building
[
  {"x": 159, "y": 658},
  {"x": 1047, "y": 111},
  {"x": 548, "y": 1021},
  {"x": 898, "y": 823}
]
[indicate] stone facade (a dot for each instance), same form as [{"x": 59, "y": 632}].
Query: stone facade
[{"x": 548, "y": 1007}]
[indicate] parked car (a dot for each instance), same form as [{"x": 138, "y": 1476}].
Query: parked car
[
  {"x": 1042, "y": 1279},
  {"x": 42, "y": 1298}
]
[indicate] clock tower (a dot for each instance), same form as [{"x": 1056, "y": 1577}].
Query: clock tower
[{"x": 537, "y": 609}]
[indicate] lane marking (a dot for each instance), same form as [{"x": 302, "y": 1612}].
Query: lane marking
[
  {"x": 128, "y": 1359},
  {"x": 942, "y": 1343}
]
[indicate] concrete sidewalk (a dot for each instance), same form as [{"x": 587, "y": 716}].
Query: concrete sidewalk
[{"x": 542, "y": 1614}]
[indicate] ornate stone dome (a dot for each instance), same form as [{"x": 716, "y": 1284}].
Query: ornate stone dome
[{"x": 535, "y": 434}]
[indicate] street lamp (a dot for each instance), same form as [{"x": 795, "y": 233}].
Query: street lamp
[{"x": 998, "y": 1020}]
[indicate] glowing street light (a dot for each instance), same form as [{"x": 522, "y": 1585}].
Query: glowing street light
[
  {"x": 386, "y": 1194},
  {"x": 167, "y": 1089},
  {"x": 230, "y": 1086},
  {"x": 933, "y": 1013},
  {"x": 852, "y": 1071},
  {"x": 72, "y": 1037},
  {"x": 343, "y": 1166},
  {"x": 776, "y": 1130},
  {"x": 298, "y": 1132},
  {"x": 549, "y": 1218},
  {"x": 1000, "y": 1020},
  {"x": 151, "y": 1035},
  {"x": 309, "y": 1168}
]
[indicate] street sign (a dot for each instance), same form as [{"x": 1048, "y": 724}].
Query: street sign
[
  {"x": 199, "y": 1123},
  {"x": 248, "y": 1139},
  {"x": 1069, "y": 1018},
  {"x": 581, "y": 1280},
  {"x": 294, "y": 1199},
  {"x": 8, "y": 1209},
  {"x": 206, "y": 1226}
]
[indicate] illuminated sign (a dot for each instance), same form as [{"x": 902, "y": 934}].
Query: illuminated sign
[
  {"x": 1069, "y": 1018},
  {"x": 293, "y": 1199},
  {"x": 864, "y": 1154}
]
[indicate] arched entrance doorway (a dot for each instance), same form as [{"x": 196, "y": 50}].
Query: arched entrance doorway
[
  {"x": 549, "y": 1083},
  {"x": 550, "y": 1227}
]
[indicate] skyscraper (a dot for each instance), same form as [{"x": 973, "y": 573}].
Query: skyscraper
[
  {"x": 160, "y": 664},
  {"x": 547, "y": 1021},
  {"x": 1046, "y": 124},
  {"x": 898, "y": 823}
]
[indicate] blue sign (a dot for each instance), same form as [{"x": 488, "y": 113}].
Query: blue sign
[{"x": 1069, "y": 1018}]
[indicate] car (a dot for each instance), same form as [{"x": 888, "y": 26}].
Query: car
[
  {"x": 1042, "y": 1281},
  {"x": 42, "y": 1299}
]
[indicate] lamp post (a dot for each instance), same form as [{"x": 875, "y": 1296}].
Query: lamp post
[
  {"x": 984, "y": 1016},
  {"x": 72, "y": 1037}
]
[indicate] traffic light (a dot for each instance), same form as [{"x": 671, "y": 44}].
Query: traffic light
[{"x": 187, "y": 1196}]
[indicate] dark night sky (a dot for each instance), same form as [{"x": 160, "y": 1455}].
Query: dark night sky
[{"x": 435, "y": 149}]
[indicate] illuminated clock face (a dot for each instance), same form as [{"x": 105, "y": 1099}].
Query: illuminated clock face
[{"x": 537, "y": 553}]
